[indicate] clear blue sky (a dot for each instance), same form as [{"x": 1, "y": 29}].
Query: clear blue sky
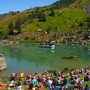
[{"x": 20, "y": 5}]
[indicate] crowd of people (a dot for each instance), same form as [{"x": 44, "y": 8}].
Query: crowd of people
[{"x": 55, "y": 80}]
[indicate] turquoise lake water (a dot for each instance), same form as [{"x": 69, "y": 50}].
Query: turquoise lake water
[{"x": 30, "y": 58}]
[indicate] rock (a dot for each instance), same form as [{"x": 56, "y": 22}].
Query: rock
[
  {"x": 3, "y": 64},
  {"x": 71, "y": 57}
]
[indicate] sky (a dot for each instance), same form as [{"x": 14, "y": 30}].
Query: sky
[{"x": 21, "y": 5}]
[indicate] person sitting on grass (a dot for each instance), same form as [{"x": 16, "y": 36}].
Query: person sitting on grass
[
  {"x": 34, "y": 81},
  {"x": 12, "y": 77},
  {"x": 86, "y": 87},
  {"x": 12, "y": 84},
  {"x": 20, "y": 87}
]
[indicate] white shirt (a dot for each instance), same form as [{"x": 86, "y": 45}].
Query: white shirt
[
  {"x": 50, "y": 83},
  {"x": 19, "y": 88}
]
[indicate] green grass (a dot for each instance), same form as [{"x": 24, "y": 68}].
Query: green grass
[{"x": 64, "y": 22}]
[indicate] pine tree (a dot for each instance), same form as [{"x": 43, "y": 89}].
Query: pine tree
[
  {"x": 52, "y": 12},
  {"x": 42, "y": 17},
  {"x": 10, "y": 28},
  {"x": 18, "y": 25}
]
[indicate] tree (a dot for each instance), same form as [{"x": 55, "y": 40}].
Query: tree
[
  {"x": 42, "y": 17},
  {"x": 52, "y": 12},
  {"x": 88, "y": 21},
  {"x": 18, "y": 25},
  {"x": 49, "y": 29},
  {"x": 1, "y": 33},
  {"x": 62, "y": 3},
  {"x": 10, "y": 28}
]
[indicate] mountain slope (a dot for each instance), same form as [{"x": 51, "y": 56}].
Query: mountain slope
[{"x": 62, "y": 16}]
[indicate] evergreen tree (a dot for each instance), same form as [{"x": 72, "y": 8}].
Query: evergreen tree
[
  {"x": 62, "y": 3},
  {"x": 18, "y": 25},
  {"x": 52, "y": 12},
  {"x": 10, "y": 28},
  {"x": 88, "y": 21},
  {"x": 42, "y": 17}
]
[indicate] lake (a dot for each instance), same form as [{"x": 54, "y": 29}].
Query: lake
[{"x": 30, "y": 58}]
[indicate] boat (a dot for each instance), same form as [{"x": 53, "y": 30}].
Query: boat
[{"x": 47, "y": 46}]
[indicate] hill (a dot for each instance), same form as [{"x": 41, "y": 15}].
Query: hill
[{"x": 63, "y": 16}]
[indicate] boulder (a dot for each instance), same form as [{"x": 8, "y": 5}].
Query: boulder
[{"x": 3, "y": 64}]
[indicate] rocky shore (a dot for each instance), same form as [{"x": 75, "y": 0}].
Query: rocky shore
[
  {"x": 75, "y": 37},
  {"x": 3, "y": 64}
]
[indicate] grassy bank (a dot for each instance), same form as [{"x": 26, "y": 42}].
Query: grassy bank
[{"x": 52, "y": 72}]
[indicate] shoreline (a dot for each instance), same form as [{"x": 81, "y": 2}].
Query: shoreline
[
  {"x": 42, "y": 36},
  {"x": 66, "y": 70}
]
